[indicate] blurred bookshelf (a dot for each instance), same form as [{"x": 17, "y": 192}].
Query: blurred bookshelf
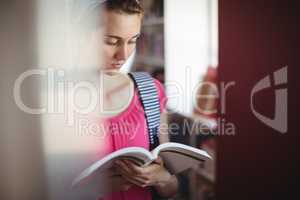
[{"x": 150, "y": 46}]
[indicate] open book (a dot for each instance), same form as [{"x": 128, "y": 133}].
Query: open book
[{"x": 177, "y": 158}]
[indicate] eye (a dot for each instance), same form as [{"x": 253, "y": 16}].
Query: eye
[
  {"x": 132, "y": 42},
  {"x": 111, "y": 41}
]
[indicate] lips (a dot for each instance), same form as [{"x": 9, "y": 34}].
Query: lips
[{"x": 117, "y": 65}]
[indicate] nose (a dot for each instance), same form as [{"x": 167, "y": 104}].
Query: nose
[{"x": 122, "y": 52}]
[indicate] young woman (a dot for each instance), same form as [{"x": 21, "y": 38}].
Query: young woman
[{"x": 121, "y": 23}]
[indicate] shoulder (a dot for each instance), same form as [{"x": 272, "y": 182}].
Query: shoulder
[
  {"x": 158, "y": 84},
  {"x": 161, "y": 94}
]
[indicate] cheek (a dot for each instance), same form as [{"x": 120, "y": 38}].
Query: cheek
[
  {"x": 108, "y": 53},
  {"x": 131, "y": 49}
]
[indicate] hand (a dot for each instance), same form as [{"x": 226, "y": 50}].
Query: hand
[
  {"x": 154, "y": 174},
  {"x": 118, "y": 182},
  {"x": 124, "y": 185}
]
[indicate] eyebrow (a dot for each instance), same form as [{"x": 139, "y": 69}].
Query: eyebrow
[{"x": 119, "y": 38}]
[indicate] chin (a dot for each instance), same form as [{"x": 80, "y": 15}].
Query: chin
[
  {"x": 111, "y": 71},
  {"x": 115, "y": 69}
]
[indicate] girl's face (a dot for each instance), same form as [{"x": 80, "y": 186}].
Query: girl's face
[{"x": 121, "y": 32}]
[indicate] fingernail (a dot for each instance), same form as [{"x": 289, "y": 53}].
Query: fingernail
[{"x": 126, "y": 161}]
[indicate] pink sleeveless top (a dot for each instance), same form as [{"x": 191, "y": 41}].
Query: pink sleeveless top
[{"x": 129, "y": 129}]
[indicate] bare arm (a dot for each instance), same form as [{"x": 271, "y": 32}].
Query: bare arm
[{"x": 169, "y": 187}]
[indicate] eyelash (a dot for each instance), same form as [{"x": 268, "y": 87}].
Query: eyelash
[
  {"x": 111, "y": 43},
  {"x": 116, "y": 43},
  {"x": 132, "y": 42}
]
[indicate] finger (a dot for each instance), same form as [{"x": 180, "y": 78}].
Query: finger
[
  {"x": 138, "y": 176},
  {"x": 124, "y": 172},
  {"x": 112, "y": 172},
  {"x": 144, "y": 172},
  {"x": 134, "y": 167},
  {"x": 151, "y": 169},
  {"x": 133, "y": 181},
  {"x": 124, "y": 168},
  {"x": 132, "y": 161},
  {"x": 126, "y": 186},
  {"x": 136, "y": 180},
  {"x": 159, "y": 160},
  {"x": 123, "y": 184},
  {"x": 129, "y": 170},
  {"x": 143, "y": 179},
  {"x": 121, "y": 171}
]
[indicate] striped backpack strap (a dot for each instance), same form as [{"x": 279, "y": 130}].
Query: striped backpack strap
[{"x": 150, "y": 102}]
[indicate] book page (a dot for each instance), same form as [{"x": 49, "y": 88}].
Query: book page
[
  {"x": 178, "y": 157},
  {"x": 103, "y": 167}
]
